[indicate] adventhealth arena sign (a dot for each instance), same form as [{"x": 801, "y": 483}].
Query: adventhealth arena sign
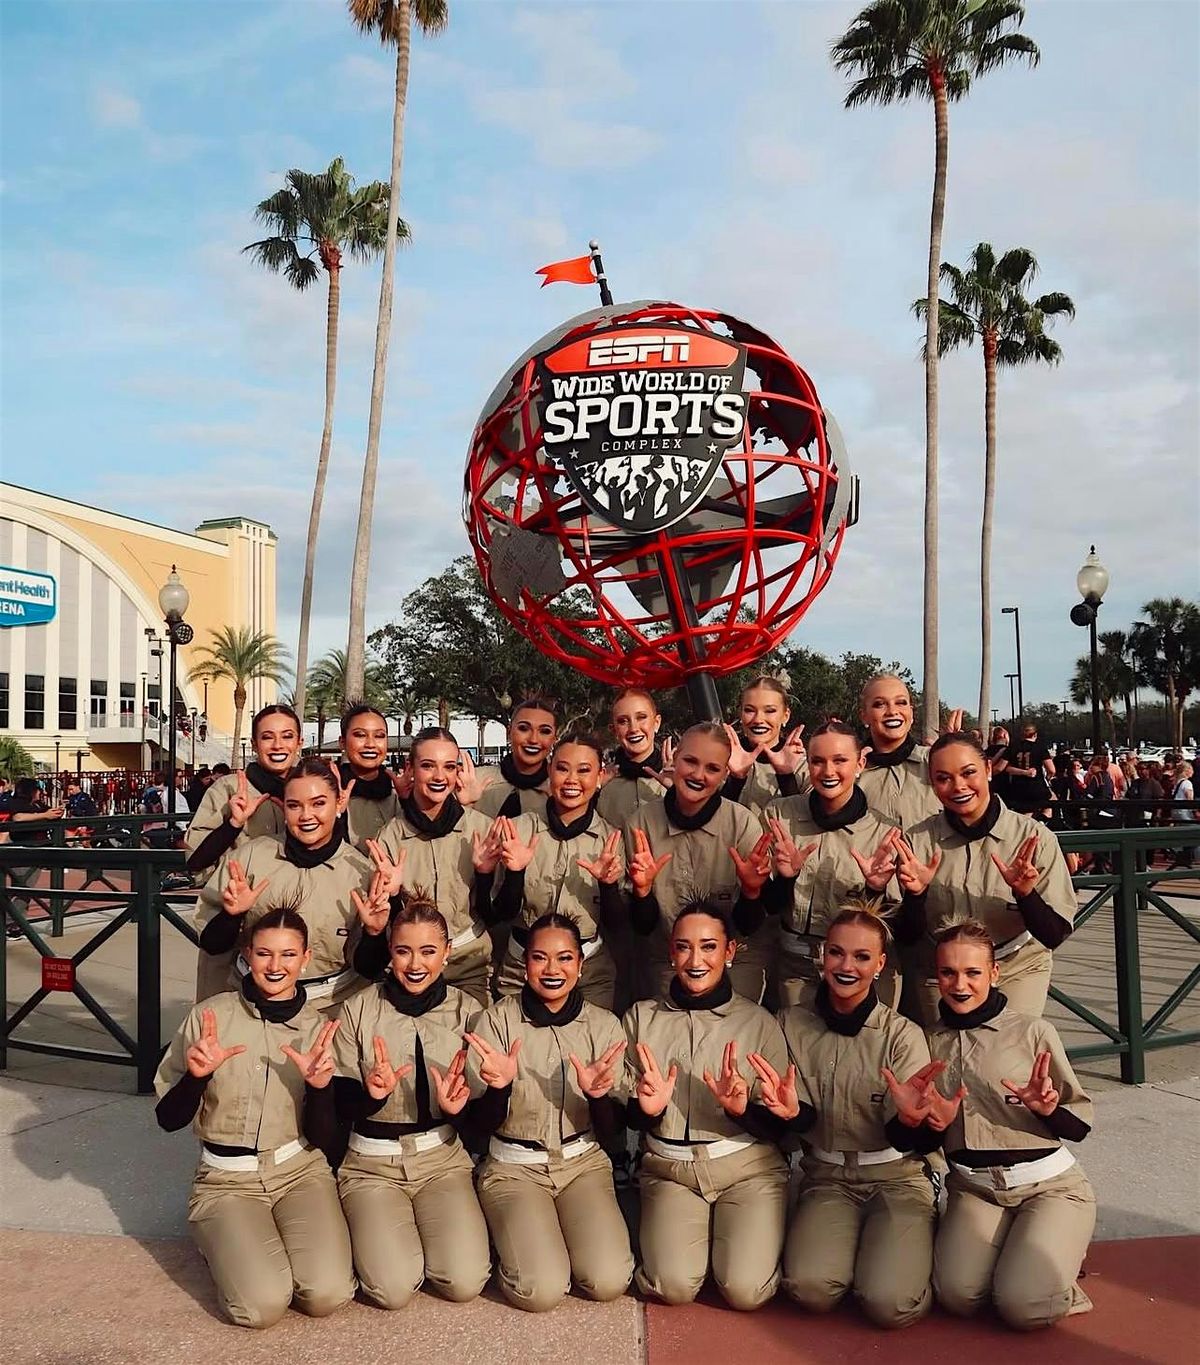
[{"x": 27, "y": 598}]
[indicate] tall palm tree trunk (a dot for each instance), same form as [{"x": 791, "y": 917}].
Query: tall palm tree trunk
[
  {"x": 929, "y": 683},
  {"x": 333, "y": 264},
  {"x": 356, "y": 642},
  {"x": 239, "y": 710},
  {"x": 985, "y": 534}
]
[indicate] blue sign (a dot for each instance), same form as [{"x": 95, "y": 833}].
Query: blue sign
[{"x": 27, "y": 598}]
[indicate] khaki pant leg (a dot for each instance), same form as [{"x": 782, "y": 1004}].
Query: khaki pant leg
[
  {"x": 508, "y": 977},
  {"x": 595, "y": 1232},
  {"x": 214, "y": 973},
  {"x": 968, "y": 1243},
  {"x": 454, "y": 1236},
  {"x": 1026, "y": 982},
  {"x": 822, "y": 1242},
  {"x": 748, "y": 973},
  {"x": 598, "y": 980},
  {"x": 749, "y": 1220},
  {"x": 1034, "y": 1281},
  {"x": 674, "y": 1235},
  {"x": 895, "y": 1254},
  {"x": 469, "y": 969},
  {"x": 518, "y": 1203},
  {"x": 314, "y": 1232},
  {"x": 383, "y": 1231},
  {"x": 234, "y": 1228}
]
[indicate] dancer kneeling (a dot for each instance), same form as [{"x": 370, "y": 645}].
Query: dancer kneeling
[
  {"x": 865, "y": 1216},
  {"x": 1021, "y": 1212},
  {"x": 243, "y": 1068},
  {"x": 405, "y": 1183},
  {"x": 713, "y": 1181},
  {"x": 555, "y": 1092}
]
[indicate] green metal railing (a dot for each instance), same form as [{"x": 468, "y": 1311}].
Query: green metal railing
[{"x": 142, "y": 903}]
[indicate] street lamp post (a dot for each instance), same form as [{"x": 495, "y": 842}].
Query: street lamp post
[
  {"x": 995, "y": 716},
  {"x": 173, "y": 599},
  {"x": 79, "y": 753},
  {"x": 57, "y": 773},
  {"x": 142, "y": 751},
  {"x": 193, "y": 739},
  {"x": 1066, "y": 736},
  {"x": 1092, "y": 582},
  {"x": 1015, "y": 613},
  {"x": 1012, "y": 696},
  {"x": 243, "y": 753}
]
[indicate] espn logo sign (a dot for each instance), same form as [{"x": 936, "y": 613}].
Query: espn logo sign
[{"x": 639, "y": 348}]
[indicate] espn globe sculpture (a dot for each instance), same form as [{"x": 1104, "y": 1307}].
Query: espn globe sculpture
[{"x": 655, "y": 495}]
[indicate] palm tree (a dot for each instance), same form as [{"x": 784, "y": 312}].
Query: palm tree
[
  {"x": 327, "y": 215},
  {"x": 1115, "y": 643},
  {"x": 1113, "y": 679},
  {"x": 240, "y": 654},
  {"x": 1167, "y": 650},
  {"x": 930, "y": 48},
  {"x": 988, "y": 301},
  {"x": 391, "y": 20},
  {"x": 329, "y": 695}
]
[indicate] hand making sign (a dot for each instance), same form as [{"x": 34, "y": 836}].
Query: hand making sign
[{"x": 27, "y": 598}]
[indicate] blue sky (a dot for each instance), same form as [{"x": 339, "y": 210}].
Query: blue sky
[{"x": 150, "y": 368}]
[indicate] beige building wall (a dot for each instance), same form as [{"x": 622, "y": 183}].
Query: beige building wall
[{"x": 109, "y": 569}]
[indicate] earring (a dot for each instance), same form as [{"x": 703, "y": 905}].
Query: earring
[{"x": 878, "y": 975}]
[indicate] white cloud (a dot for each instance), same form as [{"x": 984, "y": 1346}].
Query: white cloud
[{"x": 114, "y": 108}]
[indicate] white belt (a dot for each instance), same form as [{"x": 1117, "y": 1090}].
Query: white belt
[
  {"x": 800, "y": 945},
  {"x": 591, "y": 946},
  {"x": 315, "y": 987},
  {"x": 696, "y": 1151},
  {"x": 879, "y": 1158},
  {"x": 250, "y": 1163},
  {"x": 468, "y": 935},
  {"x": 402, "y": 1146},
  {"x": 1023, "y": 1173},
  {"x": 513, "y": 1154},
  {"x": 1014, "y": 945}
]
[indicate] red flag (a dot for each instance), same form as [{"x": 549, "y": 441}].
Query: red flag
[{"x": 578, "y": 270}]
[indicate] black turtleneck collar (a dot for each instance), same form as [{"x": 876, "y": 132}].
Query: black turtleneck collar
[
  {"x": 876, "y": 759},
  {"x": 697, "y": 821},
  {"x": 524, "y": 782},
  {"x": 983, "y": 826},
  {"x": 536, "y": 1011},
  {"x": 721, "y": 994},
  {"x": 749, "y": 745},
  {"x": 850, "y": 813},
  {"x": 263, "y": 781},
  {"x": 569, "y": 830},
  {"x": 631, "y": 770},
  {"x": 410, "y": 1003},
  {"x": 991, "y": 1007},
  {"x": 301, "y": 855},
  {"x": 441, "y": 824},
  {"x": 848, "y": 1025},
  {"x": 377, "y": 788},
  {"x": 272, "y": 1011}
]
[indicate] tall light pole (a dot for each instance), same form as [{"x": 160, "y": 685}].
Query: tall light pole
[
  {"x": 142, "y": 751},
  {"x": 173, "y": 599},
  {"x": 1092, "y": 582},
  {"x": 1012, "y": 696},
  {"x": 1064, "y": 706},
  {"x": 193, "y": 739},
  {"x": 995, "y": 716},
  {"x": 1015, "y": 613}
]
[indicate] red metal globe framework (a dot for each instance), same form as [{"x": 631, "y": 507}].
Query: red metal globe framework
[{"x": 710, "y": 593}]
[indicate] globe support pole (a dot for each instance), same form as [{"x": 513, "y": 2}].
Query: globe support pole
[{"x": 701, "y": 687}]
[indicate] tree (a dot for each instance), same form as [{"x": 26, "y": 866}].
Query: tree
[
  {"x": 391, "y": 20},
  {"x": 1167, "y": 650},
  {"x": 933, "y": 49},
  {"x": 1114, "y": 678},
  {"x": 327, "y": 215},
  {"x": 240, "y": 654},
  {"x": 15, "y": 760},
  {"x": 988, "y": 301},
  {"x": 329, "y": 696}
]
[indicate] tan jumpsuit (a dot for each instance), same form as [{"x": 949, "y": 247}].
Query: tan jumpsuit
[
  {"x": 546, "y": 1186},
  {"x": 723, "y": 1198},
  {"x": 968, "y": 883},
  {"x": 830, "y": 876},
  {"x": 901, "y": 795},
  {"x": 866, "y": 1213},
  {"x": 273, "y": 1234},
  {"x": 445, "y": 868},
  {"x": 365, "y": 818},
  {"x": 619, "y": 799},
  {"x": 213, "y": 811},
  {"x": 700, "y": 865},
  {"x": 320, "y": 894},
  {"x": 497, "y": 791},
  {"x": 410, "y": 1201},
  {"x": 1019, "y": 1245},
  {"x": 554, "y": 881}
]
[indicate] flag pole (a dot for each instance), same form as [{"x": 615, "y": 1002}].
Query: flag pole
[{"x": 606, "y": 297}]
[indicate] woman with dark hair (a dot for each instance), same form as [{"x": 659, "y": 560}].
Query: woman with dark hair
[
  {"x": 247, "y": 804},
  {"x": 864, "y": 1221},
  {"x": 520, "y": 787},
  {"x": 555, "y": 1094},
  {"x": 978, "y": 858},
  {"x": 436, "y": 842},
  {"x": 1020, "y": 1212},
  {"x": 314, "y": 870},
  {"x": 712, "y": 1179},
  {"x": 370, "y": 789},
  {"x": 763, "y": 764},
  {"x": 243, "y": 1069},
  {"x": 405, "y": 1183},
  {"x": 569, "y": 861},
  {"x": 829, "y": 847}
]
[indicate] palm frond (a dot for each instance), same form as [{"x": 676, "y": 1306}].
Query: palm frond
[
  {"x": 302, "y": 272},
  {"x": 274, "y": 253},
  {"x": 1054, "y": 305}
]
